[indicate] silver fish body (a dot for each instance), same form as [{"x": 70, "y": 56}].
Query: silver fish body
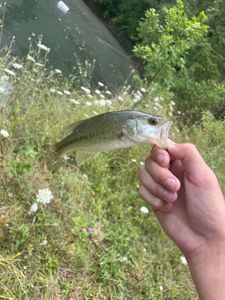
[{"x": 113, "y": 130}]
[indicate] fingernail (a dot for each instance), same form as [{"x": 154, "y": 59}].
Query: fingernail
[{"x": 170, "y": 182}]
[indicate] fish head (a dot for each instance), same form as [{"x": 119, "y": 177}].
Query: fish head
[{"x": 147, "y": 129}]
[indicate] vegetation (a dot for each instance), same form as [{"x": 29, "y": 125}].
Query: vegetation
[
  {"x": 181, "y": 44},
  {"x": 92, "y": 240}
]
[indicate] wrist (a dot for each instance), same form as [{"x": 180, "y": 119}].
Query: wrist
[
  {"x": 207, "y": 266},
  {"x": 213, "y": 253}
]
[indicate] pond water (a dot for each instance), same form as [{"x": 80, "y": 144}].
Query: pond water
[{"x": 72, "y": 32}]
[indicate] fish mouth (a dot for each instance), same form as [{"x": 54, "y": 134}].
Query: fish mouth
[
  {"x": 161, "y": 138},
  {"x": 165, "y": 133}
]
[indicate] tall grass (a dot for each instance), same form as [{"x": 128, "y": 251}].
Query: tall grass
[{"x": 91, "y": 241}]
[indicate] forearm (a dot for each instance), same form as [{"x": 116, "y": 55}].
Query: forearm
[{"x": 208, "y": 273}]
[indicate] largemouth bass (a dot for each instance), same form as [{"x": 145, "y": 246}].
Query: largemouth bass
[{"x": 112, "y": 130}]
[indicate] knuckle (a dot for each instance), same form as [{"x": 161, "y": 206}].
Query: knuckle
[
  {"x": 158, "y": 204},
  {"x": 191, "y": 147},
  {"x": 148, "y": 160},
  {"x": 141, "y": 174},
  {"x": 159, "y": 191}
]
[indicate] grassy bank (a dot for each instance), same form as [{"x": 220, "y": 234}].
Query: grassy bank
[{"x": 91, "y": 241}]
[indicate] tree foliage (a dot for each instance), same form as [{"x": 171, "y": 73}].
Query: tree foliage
[
  {"x": 166, "y": 43},
  {"x": 181, "y": 44}
]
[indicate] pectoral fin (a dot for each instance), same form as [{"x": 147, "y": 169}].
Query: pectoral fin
[{"x": 82, "y": 156}]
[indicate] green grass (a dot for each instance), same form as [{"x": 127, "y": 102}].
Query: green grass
[{"x": 99, "y": 245}]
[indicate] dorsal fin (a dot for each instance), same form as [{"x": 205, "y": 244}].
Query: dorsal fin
[{"x": 70, "y": 128}]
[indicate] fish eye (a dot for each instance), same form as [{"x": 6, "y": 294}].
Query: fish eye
[{"x": 152, "y": 121}]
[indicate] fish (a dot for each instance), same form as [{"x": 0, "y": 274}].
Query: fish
[{"x": 109, "y": 131}]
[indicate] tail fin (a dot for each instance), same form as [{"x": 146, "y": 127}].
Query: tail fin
[{"x": 53, "y": 158}]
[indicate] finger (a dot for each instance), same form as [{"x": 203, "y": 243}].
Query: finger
[
  {"x": 162, "y": 176},
  {"x": 156, "y": 203},
  {"x": 177, "y": 169},
  {"x": 188, "y": 154},
  {"x": 155, "y": 188},
  {"x": 160, "y": 156}
]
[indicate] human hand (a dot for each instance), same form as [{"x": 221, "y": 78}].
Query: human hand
[{"x": 186, "y": 198}]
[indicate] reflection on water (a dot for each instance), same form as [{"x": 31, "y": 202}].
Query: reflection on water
[{"x": 74, "y": 35}]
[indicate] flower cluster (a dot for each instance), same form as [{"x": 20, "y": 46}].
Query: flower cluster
[
  {"x": 4, "y": 133},
  {"x": 144, "y": 210},
  {"x": 44, "y": 196},
  {"x": 183, "y": 260},
  {"x": 102, "y": 94}
]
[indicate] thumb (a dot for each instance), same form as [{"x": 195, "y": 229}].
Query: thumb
[{"x": 189, "y": 156}]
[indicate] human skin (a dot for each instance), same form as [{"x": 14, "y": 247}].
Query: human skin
[{"x": 185, "y": 196}]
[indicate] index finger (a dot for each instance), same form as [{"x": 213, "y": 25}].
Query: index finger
[{"x": 160, "y": 156}]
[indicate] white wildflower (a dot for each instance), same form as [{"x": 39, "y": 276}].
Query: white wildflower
[
  {"x": 17, "y": 66},
  {"x": 139, "y": 93},
  {"x": 44, "y": 243},
  {"x": 144, "y": 210},
  {"x": 172, "y": 103},
  {"x": 183, "y": 260},
  {"x": 44, "y": 196},
  {"x": 108, "y": 93},
  {"x": 9, "y": 72},
  {"x": 59, "y": 93},
  {"x": 74, "y": 101},
  {"x": 89, "y": 96},
  {"x": 143, "y": 90},
  {"x": 102, "y": 96},
  {"x": 34, "y": 207},
  {"x": 52, "y": 91},
  {"x": 156, "y": 99},
  {"x": 102, "y": 102},
  {"x": 97, "y": 92},
  {"x": 133, "y": 160},
  {"x": 88, "y": 103},
  {"x": 30, "y": 58},
  {"x": 124, "y": 259},
  {"x": 86, "y": 90},
  {"x": 142, "y": 163},
  {"x": 43, "y": 47},
  {"x": 137, "y": 97},
  {"x": 157, "y": 105},
  {"x": 109, "y": 102},
  {"x": 100, "y": 84},
  {"x": 121, "y": 99},
  {"x": 57, "y": 71},
  {"x": 161, "y": 288},
  {"x": 67, "y": 93},
  {"x": 39, "y": 65},
  {"x": 4, "y": 133},
  {"x": 66, "y": 157}
]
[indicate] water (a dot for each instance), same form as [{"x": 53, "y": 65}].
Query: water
[{"x": 74, "y": 37}]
